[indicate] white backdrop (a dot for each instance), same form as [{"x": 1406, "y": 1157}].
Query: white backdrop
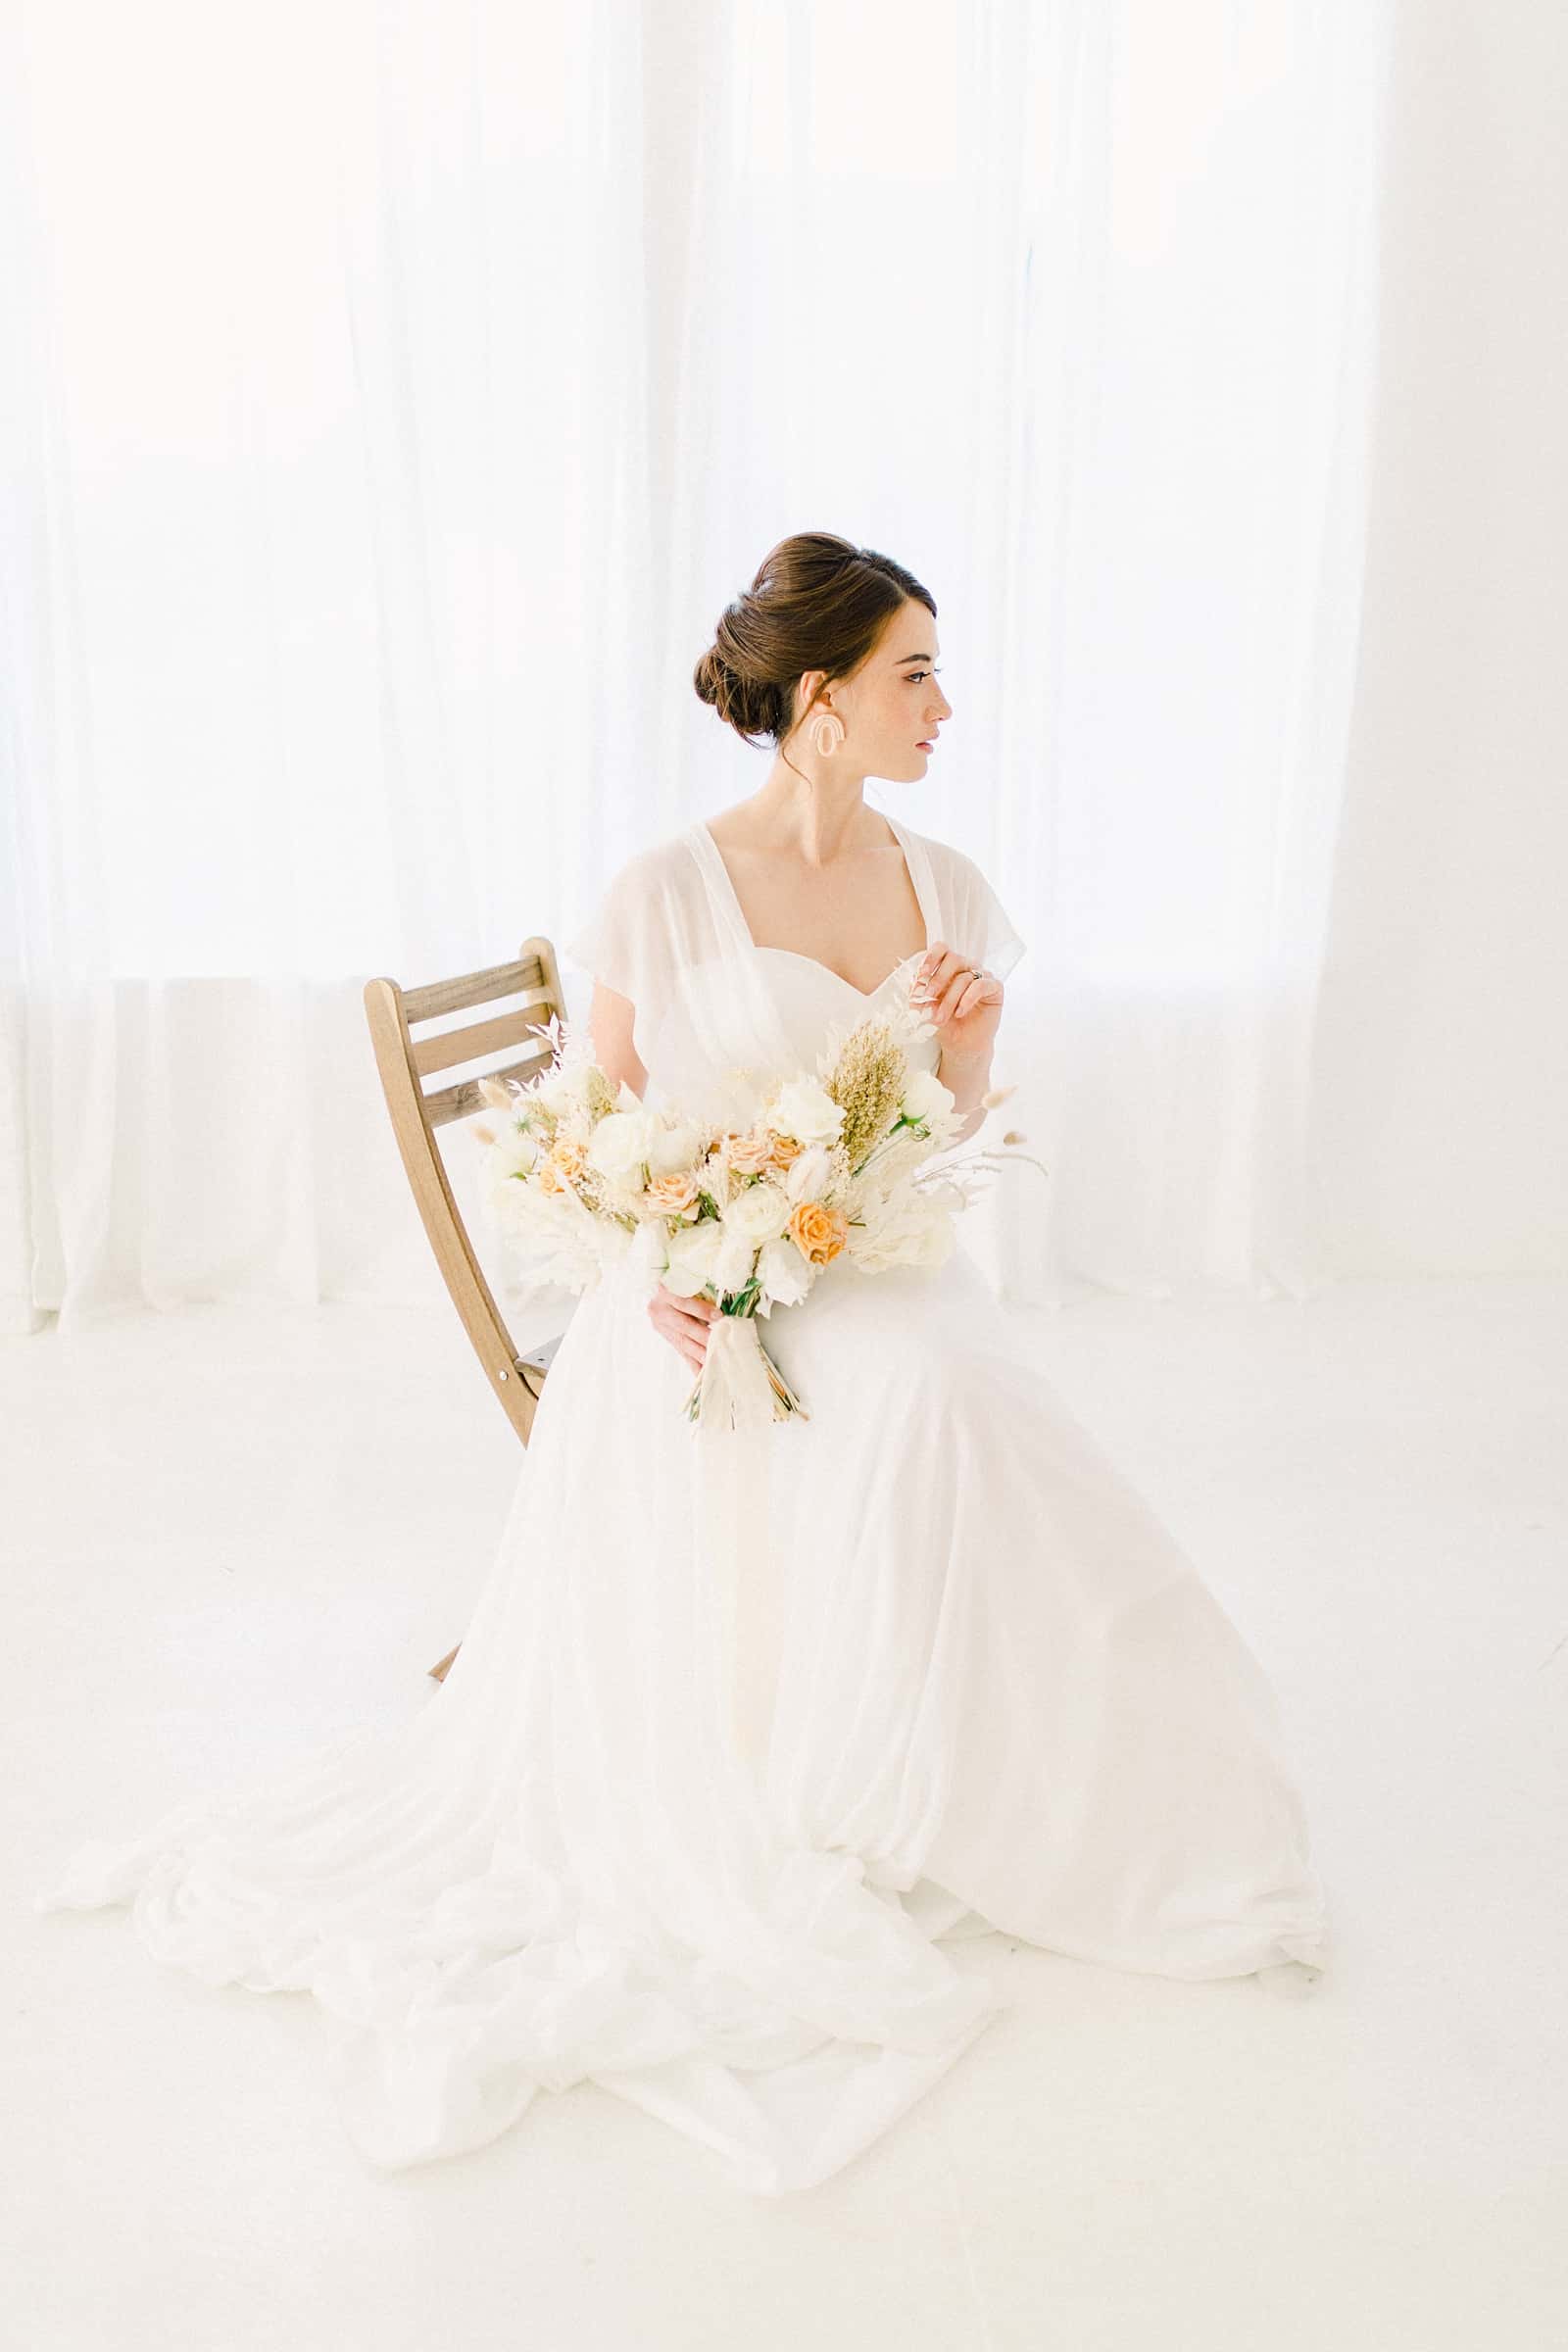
[{"x": 398, "y": 393}]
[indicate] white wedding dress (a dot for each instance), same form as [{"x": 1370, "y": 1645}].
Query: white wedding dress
[{"x": 996, "y": 1693}]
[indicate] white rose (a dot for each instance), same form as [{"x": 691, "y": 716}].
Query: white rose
[
  {"x": 692, "y": 1256},
  {"x": 620, "y": 1144},
  {"x": 786, "y": 1276},
  {"x": 925, "y": 1097},
  {"x": 707, "y": 1255},
  {"x": 673, "y": 1149},
  {"x": 758, "y": 1211},
  {"x": 805, "y": 1111},
  {"x": 736, "y": 1261}
]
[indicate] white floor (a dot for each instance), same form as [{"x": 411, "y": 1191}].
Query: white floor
[{"x": 228, "y": 1535}]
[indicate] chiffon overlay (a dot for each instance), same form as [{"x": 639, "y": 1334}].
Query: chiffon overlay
[{"x": 989, "y": 1691}]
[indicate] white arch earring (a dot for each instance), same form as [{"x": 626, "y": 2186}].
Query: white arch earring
[{"x": 827, "y": 735}]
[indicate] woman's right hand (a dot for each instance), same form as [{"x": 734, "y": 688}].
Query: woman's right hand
[{"x": 683, "y": 1322}]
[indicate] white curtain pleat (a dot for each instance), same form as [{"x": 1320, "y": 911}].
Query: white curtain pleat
[{"x": 396, "y": 396}]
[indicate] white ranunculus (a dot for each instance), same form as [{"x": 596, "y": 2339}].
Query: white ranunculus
[
  {"x": 808, "y": 1173},
  {"x": 805, "y": 1111},
  {"x": 925, "y": 1097},
  {"x": 786, "y": 1276},
  {"x": 620, "y": 1144},
  {"x": 758, "y": 1211}
]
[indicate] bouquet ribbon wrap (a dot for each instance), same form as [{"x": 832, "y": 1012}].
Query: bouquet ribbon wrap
[{"x": 734, "y": 1441}]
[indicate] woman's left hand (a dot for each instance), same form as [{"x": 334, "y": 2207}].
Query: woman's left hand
[{"x": 965, "y": 1004}]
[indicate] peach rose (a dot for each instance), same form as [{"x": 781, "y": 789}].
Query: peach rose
[
  {"x": 671, "y": 1195},
  {"x": 750, "y": 1155},
  {"x": 563, "y": 1167},
  {"x": 818, "y": 1233},
  {"x": 786, "y": 1147}
]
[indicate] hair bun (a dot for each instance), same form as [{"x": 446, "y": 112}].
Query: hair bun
[
  {"x": 817, "y": 602},
  {"x": 710, "y": 679},
  {"x": 743, "y": 701}
]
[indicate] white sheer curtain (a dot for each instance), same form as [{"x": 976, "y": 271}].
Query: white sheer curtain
[{"x": 396, "y": 395}]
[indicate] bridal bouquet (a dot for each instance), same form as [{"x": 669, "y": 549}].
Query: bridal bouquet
[{"x": 810, "y": 1167}]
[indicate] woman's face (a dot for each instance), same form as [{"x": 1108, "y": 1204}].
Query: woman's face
[{"x": 894, "y": 706}]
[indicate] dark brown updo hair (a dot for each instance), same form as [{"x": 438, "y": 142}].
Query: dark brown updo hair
[{"x": 817, "y": 603}]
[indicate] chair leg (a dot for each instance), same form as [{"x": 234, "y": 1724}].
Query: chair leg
[{"x": 438, "y": 1673}]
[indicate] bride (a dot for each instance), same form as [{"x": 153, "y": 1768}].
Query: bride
[{"x": 988, "y": 1690}]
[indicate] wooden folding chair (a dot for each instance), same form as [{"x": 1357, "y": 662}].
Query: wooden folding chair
[{"x": 405, "y": 1062}]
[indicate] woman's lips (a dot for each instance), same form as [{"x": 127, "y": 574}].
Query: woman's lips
[{"x": 927, "y": 743}]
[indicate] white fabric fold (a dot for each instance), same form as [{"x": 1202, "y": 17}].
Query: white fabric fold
[{"x": 734, "y": 1434}]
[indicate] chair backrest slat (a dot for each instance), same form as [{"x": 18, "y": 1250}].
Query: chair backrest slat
[
  {"x": 463, "y": 1101},
  {"x": 533, "y": 973},
  {"x": 448, "y": 1046}
]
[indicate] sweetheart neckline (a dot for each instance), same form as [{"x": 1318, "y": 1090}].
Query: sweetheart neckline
[
  {"x": 817, "y": 965},
  {"x": 701, "y": 832}
]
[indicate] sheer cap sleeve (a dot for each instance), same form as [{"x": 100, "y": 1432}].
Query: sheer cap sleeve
[
  {"x": 974, "y": 919},
  {"x": 642, "y": 931}
]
